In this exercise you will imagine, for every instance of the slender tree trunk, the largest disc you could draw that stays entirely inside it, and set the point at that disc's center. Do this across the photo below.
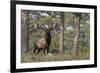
(61, 46)
(76, 49)
(24, 30)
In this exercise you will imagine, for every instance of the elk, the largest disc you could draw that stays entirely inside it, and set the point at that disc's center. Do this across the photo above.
(43, 43)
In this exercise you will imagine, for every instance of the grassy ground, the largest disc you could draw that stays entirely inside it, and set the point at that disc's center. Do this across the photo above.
(31, 57)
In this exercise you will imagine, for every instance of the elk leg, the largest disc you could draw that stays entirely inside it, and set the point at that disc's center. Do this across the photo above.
(34, 51)
(44, 51)
(38, 51)
(47, 50)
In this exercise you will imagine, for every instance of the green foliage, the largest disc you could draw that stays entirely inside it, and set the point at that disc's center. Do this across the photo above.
(69, 18)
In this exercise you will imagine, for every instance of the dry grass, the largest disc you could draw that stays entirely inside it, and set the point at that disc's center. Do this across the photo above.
(31, 57)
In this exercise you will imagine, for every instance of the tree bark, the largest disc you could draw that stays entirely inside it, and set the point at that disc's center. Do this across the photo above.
(76, 49)
(24, 30)
(61, 46)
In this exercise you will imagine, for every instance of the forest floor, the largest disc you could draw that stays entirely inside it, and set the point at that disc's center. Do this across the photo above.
(67, 56)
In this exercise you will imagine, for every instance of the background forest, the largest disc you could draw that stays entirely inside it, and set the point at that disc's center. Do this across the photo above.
(74, 47)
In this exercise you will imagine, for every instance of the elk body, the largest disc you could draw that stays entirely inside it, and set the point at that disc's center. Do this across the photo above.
(43, 43)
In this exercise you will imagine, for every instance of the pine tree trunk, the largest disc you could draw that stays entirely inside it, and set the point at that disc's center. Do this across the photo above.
(76, 49)
(61, 46)
(24, 30)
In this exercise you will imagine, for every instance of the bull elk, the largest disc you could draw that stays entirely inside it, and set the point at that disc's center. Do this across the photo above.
(43, 43)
